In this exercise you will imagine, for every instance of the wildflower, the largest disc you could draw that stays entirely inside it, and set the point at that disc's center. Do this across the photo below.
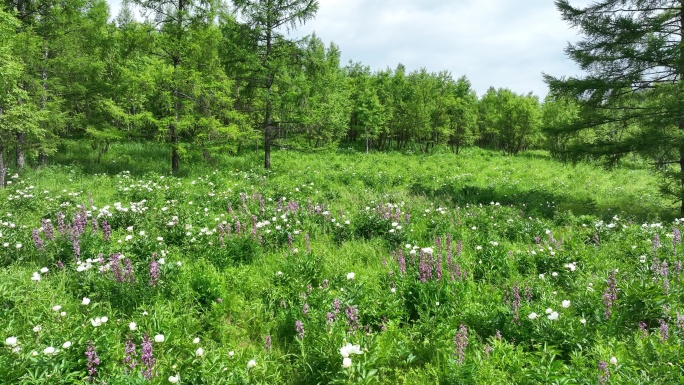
(93, 362)
(147, 358)
(56, 308)
(267, 342)
(664, 330)
(610, 295)
(349, 349)
(11, 341)
(583, 321)
(352, 313)
(566, 304)
(49, 351)
(86, 301)
(553, 316)
(251, 364)
(350, 276)
(605, 373)
(549, 311)
(461, 343)
(66, 345)
(44, 270)
(613, 360)
(130, 355)
(533, 316)
(132, 326)
(37, 328)
(159, 338)
(299, 328)
(35, 277)
(155, 273)
(199, 352)
(231, 353)
(393, 290)
(346, 362)
(196, 340)
(174, 379)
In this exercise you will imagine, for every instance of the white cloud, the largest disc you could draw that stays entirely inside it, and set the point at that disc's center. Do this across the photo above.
(500, 43)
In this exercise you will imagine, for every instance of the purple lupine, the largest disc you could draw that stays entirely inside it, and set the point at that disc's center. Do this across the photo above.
(643, 328)
(678, 267)
(290, 242)
(461, 343)
(147, 358)
(130, 355)
(610, 295)
(48, 230)
(268, 342)
(324, 284)
(60, 264)
(352, 313)
(155, 273)
(604, 373)
(106, 230)
(329, 318)
(94, 225)
(76, 246)
(656, 243)
(92, 363)
(664, 330)
(129, 274)
(61, 226)
(115, 268)
(230, 209)
(402, 262)
(228, 230)
(305, 309)
(515, 302)
(37, 240)
(488, 349)
(680, 322)
(676, 236)
(299, 328)
(337, 306)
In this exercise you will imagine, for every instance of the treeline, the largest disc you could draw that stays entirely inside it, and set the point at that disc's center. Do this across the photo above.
(214, 78)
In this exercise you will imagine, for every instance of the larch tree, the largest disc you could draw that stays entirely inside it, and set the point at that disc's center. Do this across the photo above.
(631, 99)
(267, 19)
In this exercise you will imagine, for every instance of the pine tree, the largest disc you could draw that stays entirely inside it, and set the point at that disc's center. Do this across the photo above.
(632, 98)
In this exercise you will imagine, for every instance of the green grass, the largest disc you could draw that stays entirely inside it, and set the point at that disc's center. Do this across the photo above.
(514, 225)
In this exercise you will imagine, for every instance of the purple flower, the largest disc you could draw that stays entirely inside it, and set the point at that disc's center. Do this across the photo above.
(664, 330)
(299, 328)
(305, 309)
(37, 241)
(106, 230)
(92, 363)
(460, 343)
(115, 268)
(48, 230)
(155, 273)
(352, 313)
(610, 295)
(147, 358)
(604, 373)
(130, 354)
(267, 342)
(644, 329)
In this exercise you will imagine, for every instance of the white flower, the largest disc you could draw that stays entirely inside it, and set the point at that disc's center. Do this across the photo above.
(613, 360)
(348, 349)
(174, 379)
(549, 311)
(346, 362)
(251, 364)
(553, 316)
(56, 308)
(199, 352)
(554, 274)
(66, 345)
(104, 319)
(196, 340)
(35, 276)
(393, 290)
(19, 245)
(86, 301)
(11, 341)
(62, 314)
(49, 351)
(231, 353)
(132, 326)
(350, 275)
(37, 328)
(44, 270)
(159, 338)
(541, 276)
(583, 321)
(566, 304)
(532, 316)
(96, 322)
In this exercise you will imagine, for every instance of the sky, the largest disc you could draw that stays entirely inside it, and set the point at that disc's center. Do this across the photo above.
(499, 43)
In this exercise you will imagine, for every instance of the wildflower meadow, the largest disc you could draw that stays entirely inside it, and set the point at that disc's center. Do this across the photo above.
(340, 268)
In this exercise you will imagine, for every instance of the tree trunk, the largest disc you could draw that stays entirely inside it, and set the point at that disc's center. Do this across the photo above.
(21, 158)
(267, 148)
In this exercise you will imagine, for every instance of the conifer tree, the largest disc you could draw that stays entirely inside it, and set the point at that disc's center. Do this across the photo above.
(632, 98)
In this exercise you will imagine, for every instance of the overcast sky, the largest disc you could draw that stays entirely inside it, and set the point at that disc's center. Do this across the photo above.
(500, 43)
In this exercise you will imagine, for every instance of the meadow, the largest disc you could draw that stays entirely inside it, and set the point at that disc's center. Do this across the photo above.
(338, 268)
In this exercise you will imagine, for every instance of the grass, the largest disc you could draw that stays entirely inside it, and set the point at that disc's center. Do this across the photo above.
(451, 255)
